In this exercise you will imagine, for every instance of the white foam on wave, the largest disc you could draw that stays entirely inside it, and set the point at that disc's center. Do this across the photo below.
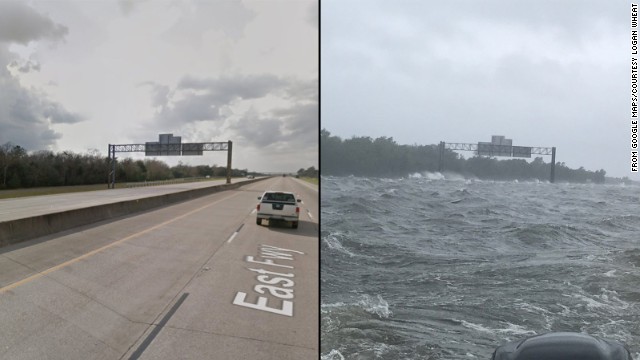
(333, 242)
(391, 191)
(378, 306)
(608, 300)
(324, 308)
(427, 175)
(511, 329)
(589, 302)
(373, 305)
(476, 327)
(538, 311)
(332, 355)
(515, 330)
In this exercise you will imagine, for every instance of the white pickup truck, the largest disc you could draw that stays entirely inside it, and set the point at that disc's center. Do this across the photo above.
(278, 205)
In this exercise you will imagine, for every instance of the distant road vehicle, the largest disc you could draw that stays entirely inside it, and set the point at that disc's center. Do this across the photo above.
(278, 205)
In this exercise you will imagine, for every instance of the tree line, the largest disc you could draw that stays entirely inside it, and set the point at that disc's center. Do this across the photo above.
(364, 156)
(20, 169)
(309, 172)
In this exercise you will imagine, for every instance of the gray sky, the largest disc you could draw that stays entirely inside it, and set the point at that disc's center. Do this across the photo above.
(543, 73)
(78, 75)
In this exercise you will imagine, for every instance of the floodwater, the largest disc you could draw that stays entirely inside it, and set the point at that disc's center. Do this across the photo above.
(432, 268)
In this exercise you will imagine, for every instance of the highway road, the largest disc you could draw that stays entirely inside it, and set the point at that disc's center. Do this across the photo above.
(18, 208)
(195, 280)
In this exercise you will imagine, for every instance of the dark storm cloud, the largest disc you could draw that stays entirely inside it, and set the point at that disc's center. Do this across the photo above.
(21, 24)
(27, 115)
(22, 118)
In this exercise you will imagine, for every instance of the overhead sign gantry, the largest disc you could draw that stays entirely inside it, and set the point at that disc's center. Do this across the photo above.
(499, 146)
(168, 145)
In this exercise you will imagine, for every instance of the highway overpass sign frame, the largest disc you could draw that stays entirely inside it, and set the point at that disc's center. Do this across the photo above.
(177, 149)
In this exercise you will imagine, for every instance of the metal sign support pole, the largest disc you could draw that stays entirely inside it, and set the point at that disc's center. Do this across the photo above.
(111, 180)
(441, 158)
(229, 162)
(553, 165)
(109, 167)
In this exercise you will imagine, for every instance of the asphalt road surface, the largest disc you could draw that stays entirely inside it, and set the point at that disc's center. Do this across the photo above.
(195, 280)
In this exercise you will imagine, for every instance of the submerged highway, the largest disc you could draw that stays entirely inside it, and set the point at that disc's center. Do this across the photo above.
(194, 280)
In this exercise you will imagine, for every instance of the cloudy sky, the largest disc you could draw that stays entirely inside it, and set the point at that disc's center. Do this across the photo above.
(543, 73)
(78, 75)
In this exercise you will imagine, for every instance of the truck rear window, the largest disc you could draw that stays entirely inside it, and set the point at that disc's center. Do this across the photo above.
(279, 197)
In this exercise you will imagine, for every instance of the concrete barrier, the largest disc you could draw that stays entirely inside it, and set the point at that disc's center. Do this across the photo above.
(15, 231)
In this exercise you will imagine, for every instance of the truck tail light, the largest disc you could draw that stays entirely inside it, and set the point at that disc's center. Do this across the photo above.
(258, 207)
(297, 209)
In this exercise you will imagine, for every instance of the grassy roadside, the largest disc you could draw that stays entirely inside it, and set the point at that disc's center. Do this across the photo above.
(315, 181)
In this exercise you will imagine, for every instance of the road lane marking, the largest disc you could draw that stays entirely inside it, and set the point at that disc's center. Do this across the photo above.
(93, 252)
(234, 234)
(309, 213)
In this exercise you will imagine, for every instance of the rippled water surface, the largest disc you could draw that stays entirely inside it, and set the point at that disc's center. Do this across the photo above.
(428, 268)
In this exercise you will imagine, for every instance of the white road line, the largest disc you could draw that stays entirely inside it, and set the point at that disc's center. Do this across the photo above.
(232, 237)
(234, 234)
(309, 213)
(253, 211)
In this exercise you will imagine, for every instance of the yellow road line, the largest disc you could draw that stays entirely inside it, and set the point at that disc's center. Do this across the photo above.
(93, 252)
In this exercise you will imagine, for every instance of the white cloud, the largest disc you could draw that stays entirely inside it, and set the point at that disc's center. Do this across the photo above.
(134, 69)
